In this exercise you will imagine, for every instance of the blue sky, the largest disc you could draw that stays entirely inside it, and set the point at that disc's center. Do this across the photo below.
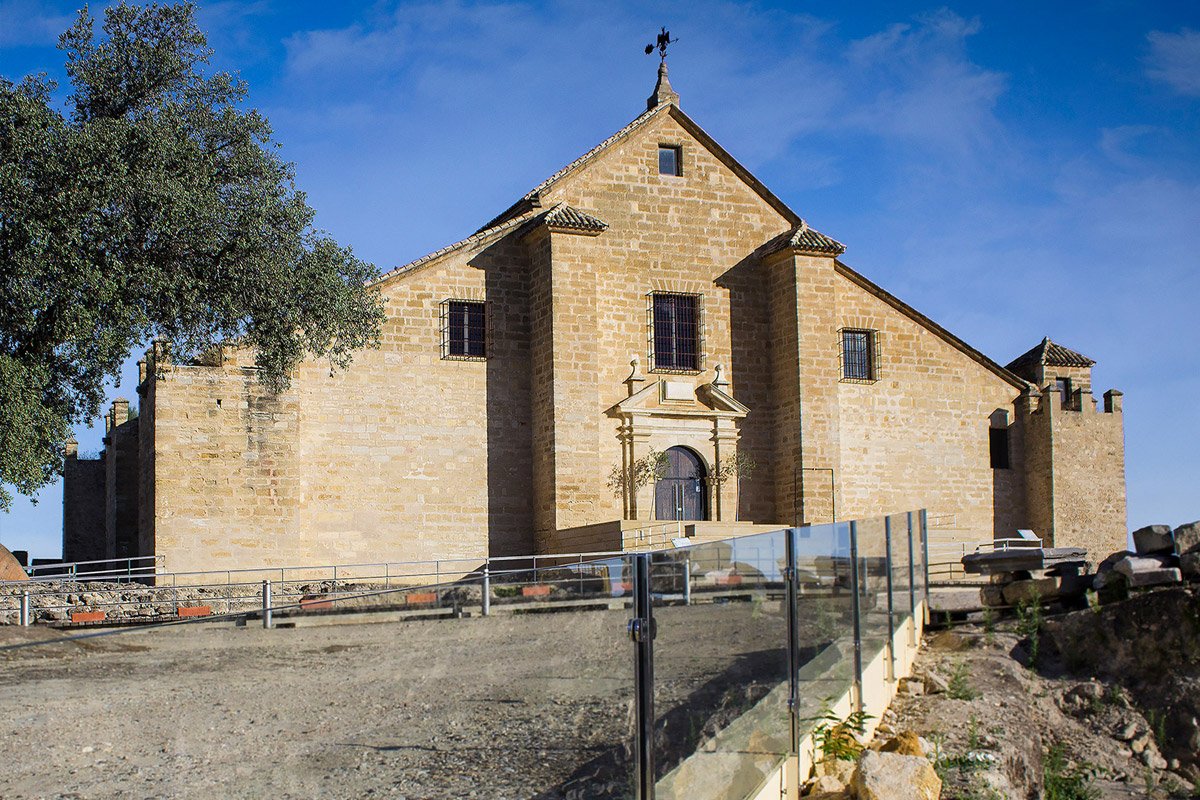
(1014, 170)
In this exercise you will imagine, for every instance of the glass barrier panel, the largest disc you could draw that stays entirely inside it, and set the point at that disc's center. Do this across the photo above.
(872, 583)
(826, 618)
(720, 667)
(901, 597)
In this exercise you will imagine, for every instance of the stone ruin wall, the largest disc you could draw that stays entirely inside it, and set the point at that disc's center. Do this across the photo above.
(403, 456)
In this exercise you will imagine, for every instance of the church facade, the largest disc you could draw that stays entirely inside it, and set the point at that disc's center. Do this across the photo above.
(652, 297)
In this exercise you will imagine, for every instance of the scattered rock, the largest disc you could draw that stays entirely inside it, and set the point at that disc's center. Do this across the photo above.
(891, 776)
(826, 785)
(992, 596)
(911, 686)
(837, 768)
(906, 743)
(1187, 538)
(935, 684)
(1154, 539)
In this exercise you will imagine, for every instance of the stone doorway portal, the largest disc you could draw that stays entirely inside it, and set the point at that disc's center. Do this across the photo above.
(681, 493)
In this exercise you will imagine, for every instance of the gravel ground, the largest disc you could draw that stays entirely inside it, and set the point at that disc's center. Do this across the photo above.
(528, 706)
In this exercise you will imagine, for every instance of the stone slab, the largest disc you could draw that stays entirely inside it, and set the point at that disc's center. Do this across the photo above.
(1132, 565)
(1155, 577)
(954, 599)
(1154, 539)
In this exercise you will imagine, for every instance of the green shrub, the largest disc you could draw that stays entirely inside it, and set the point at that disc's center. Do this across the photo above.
(1063, 782)
(959, 686)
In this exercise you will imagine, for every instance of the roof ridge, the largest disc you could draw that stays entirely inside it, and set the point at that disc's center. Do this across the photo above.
(530, 198)
(479, 235)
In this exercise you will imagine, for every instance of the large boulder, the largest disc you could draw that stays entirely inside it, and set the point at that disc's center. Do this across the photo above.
(1153, 539)
(1187, 538)
(10, 568)
(892, 776)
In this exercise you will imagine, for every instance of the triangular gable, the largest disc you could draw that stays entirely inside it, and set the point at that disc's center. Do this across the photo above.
(533, 198)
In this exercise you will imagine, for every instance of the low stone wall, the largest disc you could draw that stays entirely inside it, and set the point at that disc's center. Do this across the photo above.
(57, 601)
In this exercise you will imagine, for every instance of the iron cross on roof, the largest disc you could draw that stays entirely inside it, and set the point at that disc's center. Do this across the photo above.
(664, 39)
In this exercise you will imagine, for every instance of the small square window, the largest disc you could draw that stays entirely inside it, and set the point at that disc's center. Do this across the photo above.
(675, 328)
(858, 356)
(464, 329)
(670, 160)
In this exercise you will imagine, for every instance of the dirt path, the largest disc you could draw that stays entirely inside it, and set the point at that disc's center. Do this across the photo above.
(534, 706)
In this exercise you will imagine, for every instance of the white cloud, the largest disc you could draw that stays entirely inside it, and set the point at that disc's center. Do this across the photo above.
(1174, 59)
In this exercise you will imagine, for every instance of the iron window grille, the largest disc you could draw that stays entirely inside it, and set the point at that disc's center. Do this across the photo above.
(464, 330)
(675, 328)
(859, 356)
(670, 160)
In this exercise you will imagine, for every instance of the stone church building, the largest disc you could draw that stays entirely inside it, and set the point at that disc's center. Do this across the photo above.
(651, 295)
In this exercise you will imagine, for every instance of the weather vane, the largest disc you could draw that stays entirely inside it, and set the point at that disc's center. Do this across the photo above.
(664, 39)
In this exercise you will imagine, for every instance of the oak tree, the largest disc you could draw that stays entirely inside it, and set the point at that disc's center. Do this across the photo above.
(150, 203)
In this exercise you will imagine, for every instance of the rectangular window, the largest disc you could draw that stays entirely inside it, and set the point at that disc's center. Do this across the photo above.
(670, 160)
(999, 447)
(858, 356)
(675, 331)
(1064, 391)
(464, 329)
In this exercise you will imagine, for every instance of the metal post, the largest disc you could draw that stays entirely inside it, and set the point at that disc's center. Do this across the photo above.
(887, 543)
(581, 575)
(641, 631)
(24, 609)
(793, 638)
(266, 610)
(487, 589)
(855, 606)
(687, 579)
(912, 587)
(924, 527)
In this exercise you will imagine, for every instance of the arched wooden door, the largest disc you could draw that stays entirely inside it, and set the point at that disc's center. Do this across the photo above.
(682, 492)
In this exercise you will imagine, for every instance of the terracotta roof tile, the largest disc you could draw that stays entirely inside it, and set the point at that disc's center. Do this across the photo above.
(806, 240)
(570, 218)
(1049, 354)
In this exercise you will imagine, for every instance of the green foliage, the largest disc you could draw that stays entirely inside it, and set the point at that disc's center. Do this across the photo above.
(1158, 723)
(836, 739)
(1064, 782)
(959, 686)
(1029, 625)
(989, 626)
(154, 207)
